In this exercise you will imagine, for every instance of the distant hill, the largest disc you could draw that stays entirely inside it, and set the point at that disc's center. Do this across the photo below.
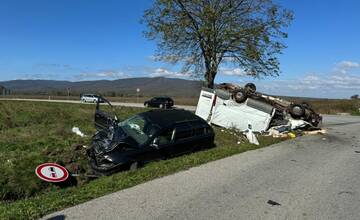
(120, 87)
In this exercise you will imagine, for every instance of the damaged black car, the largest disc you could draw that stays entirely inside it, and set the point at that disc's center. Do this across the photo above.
(147, 136)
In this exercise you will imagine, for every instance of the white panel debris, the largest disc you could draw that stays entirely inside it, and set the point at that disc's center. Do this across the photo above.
(77, 131)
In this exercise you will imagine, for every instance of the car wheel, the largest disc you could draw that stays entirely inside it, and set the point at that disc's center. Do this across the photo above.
(296, 110)
(240, 96)
(134, 166)
(161, 106)
(250, 88)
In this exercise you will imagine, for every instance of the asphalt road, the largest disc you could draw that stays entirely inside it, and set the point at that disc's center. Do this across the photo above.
(310, 177)
(125, 104)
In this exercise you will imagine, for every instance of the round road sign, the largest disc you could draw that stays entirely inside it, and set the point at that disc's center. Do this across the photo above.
(51, 172)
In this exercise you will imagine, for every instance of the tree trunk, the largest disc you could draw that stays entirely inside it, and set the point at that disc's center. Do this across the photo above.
(210, 77)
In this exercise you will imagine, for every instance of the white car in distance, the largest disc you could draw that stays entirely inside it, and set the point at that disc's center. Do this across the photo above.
(89, 98)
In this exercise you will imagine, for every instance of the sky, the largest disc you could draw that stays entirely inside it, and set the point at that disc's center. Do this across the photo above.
(78, 40)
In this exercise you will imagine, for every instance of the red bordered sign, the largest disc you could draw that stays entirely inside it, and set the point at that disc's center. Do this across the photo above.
(51, 172)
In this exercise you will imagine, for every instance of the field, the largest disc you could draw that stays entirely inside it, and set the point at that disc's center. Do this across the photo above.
(336, 106)
(133, 99)
(323, 106)
(33, 132)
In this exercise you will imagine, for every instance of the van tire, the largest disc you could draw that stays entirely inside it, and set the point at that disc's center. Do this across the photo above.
(250, 88)
(297, 111)
(240, 96)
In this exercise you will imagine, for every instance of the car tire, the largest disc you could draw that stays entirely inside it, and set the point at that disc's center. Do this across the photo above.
(250, 88)
(240, 96)
(297, 111)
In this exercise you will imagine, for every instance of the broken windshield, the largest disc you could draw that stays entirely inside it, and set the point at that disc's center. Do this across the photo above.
(139, 129)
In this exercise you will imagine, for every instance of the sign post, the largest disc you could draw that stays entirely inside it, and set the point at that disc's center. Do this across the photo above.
(137, 95)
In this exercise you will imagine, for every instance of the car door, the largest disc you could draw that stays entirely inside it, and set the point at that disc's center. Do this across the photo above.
(161, 101)
(88, 98)
(152, 102)
(157, 102)
(164, 141)
(182, 140)
(156, 148)
(103, 120)
(146, 153)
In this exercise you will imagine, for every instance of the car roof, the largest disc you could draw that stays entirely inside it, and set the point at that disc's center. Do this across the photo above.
(165, 118)
(162, 97)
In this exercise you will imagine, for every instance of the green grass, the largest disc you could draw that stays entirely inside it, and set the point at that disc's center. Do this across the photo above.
(322, 106)
(336, 106)
(32, 133)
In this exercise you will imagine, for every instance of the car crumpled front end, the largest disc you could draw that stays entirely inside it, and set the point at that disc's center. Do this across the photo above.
(105, 144)
(105, 151)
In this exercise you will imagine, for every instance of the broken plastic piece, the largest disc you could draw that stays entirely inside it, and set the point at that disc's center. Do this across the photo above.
(251, 136)
(271, 202)
(292, 135)
(295, 124)
(77, 131)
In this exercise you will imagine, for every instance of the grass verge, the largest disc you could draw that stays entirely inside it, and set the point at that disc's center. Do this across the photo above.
(37, 127)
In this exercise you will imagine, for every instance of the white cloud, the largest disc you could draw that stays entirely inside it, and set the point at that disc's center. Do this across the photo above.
(344, 66)
(348, 64)
(107, 74)
(232, 72)
(338, 83)
(162, 72)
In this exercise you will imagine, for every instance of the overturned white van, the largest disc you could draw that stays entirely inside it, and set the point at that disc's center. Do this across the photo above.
(217, 107)
(232, 106)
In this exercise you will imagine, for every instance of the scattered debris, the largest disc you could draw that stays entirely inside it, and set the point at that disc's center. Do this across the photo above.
(297, 124)
(77, 131)
(291, 135)
(251, 136)
(279, 131)
(271, 202)
(321, 131)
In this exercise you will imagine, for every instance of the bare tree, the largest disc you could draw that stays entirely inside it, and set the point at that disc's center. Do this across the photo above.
(201, 34)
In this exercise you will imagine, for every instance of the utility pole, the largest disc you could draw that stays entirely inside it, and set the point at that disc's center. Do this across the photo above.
(68, 92)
